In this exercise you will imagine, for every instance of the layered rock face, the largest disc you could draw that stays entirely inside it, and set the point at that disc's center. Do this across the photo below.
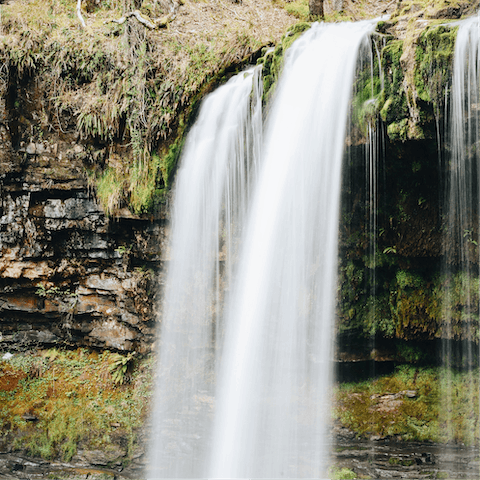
(68, 273)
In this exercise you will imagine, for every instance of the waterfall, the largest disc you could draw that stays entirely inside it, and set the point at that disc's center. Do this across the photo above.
(243, 390)
(211, 197)
(461, 304)
(273, 406)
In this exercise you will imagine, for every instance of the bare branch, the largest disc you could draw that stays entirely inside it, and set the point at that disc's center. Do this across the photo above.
(143, 19)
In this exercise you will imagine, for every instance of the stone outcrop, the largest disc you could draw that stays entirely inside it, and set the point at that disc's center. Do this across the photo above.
(69, 275)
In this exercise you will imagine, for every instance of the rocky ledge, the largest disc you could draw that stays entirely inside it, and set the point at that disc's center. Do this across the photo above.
(69, 274)
(367, 459)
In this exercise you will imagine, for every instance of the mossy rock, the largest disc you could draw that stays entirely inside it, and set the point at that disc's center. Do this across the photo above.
(398, 130)
(393, 106)
(434, 60)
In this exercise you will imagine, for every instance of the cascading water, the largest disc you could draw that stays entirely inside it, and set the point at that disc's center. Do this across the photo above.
(272, 409)
(211, 195)
(461, 306)
(272, 412)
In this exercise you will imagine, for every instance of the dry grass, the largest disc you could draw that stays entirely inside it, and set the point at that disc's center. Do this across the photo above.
(124, 87)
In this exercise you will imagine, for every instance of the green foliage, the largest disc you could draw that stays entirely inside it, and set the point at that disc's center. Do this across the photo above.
(410, 353)
(407, 304)
(143, 181)
(93, 124)
(124, 250)
(120, 366)
(376, 316)
(397, 130)
(54, 291)
(406, 279)
(458, 299)
(413, 306)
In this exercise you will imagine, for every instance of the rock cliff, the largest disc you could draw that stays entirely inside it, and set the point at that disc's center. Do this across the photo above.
(69, 275)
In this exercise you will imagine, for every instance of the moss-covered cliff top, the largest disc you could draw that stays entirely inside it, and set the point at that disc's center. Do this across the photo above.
(128, 81)
(127, 84)
(125, 87)
(420, 37)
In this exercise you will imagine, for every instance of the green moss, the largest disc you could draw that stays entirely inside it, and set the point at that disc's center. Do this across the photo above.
(398, 130)
(110, 189)
(298, 8)
(393, 104)
(367, 94)
(434, 61)
(169, 161)
(337, 473)
(458, 300)
(75, 399)
(408, 304)
(406, 279)
(414, 419)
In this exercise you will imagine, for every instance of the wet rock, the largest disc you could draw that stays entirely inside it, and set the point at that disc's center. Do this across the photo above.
(71, 208)
(381, 458)
(103, 282)
(113, 334)
(112, 455)
(31, 148)
(59, 267)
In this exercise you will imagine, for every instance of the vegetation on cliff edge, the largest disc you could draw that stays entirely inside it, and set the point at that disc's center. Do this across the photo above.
(127, 90)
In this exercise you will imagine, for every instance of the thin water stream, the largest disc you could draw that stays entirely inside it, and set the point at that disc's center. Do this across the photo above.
(461, 269)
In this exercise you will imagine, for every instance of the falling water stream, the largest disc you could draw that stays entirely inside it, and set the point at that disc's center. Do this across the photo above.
(272, 410)
(213, 184)
(244, 392)
(462, 235)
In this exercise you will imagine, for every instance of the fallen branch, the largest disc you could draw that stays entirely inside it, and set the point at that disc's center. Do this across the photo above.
(144, 20)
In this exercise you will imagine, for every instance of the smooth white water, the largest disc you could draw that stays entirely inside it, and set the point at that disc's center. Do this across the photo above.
(211, 197)
(461, 303)
(273, 406)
